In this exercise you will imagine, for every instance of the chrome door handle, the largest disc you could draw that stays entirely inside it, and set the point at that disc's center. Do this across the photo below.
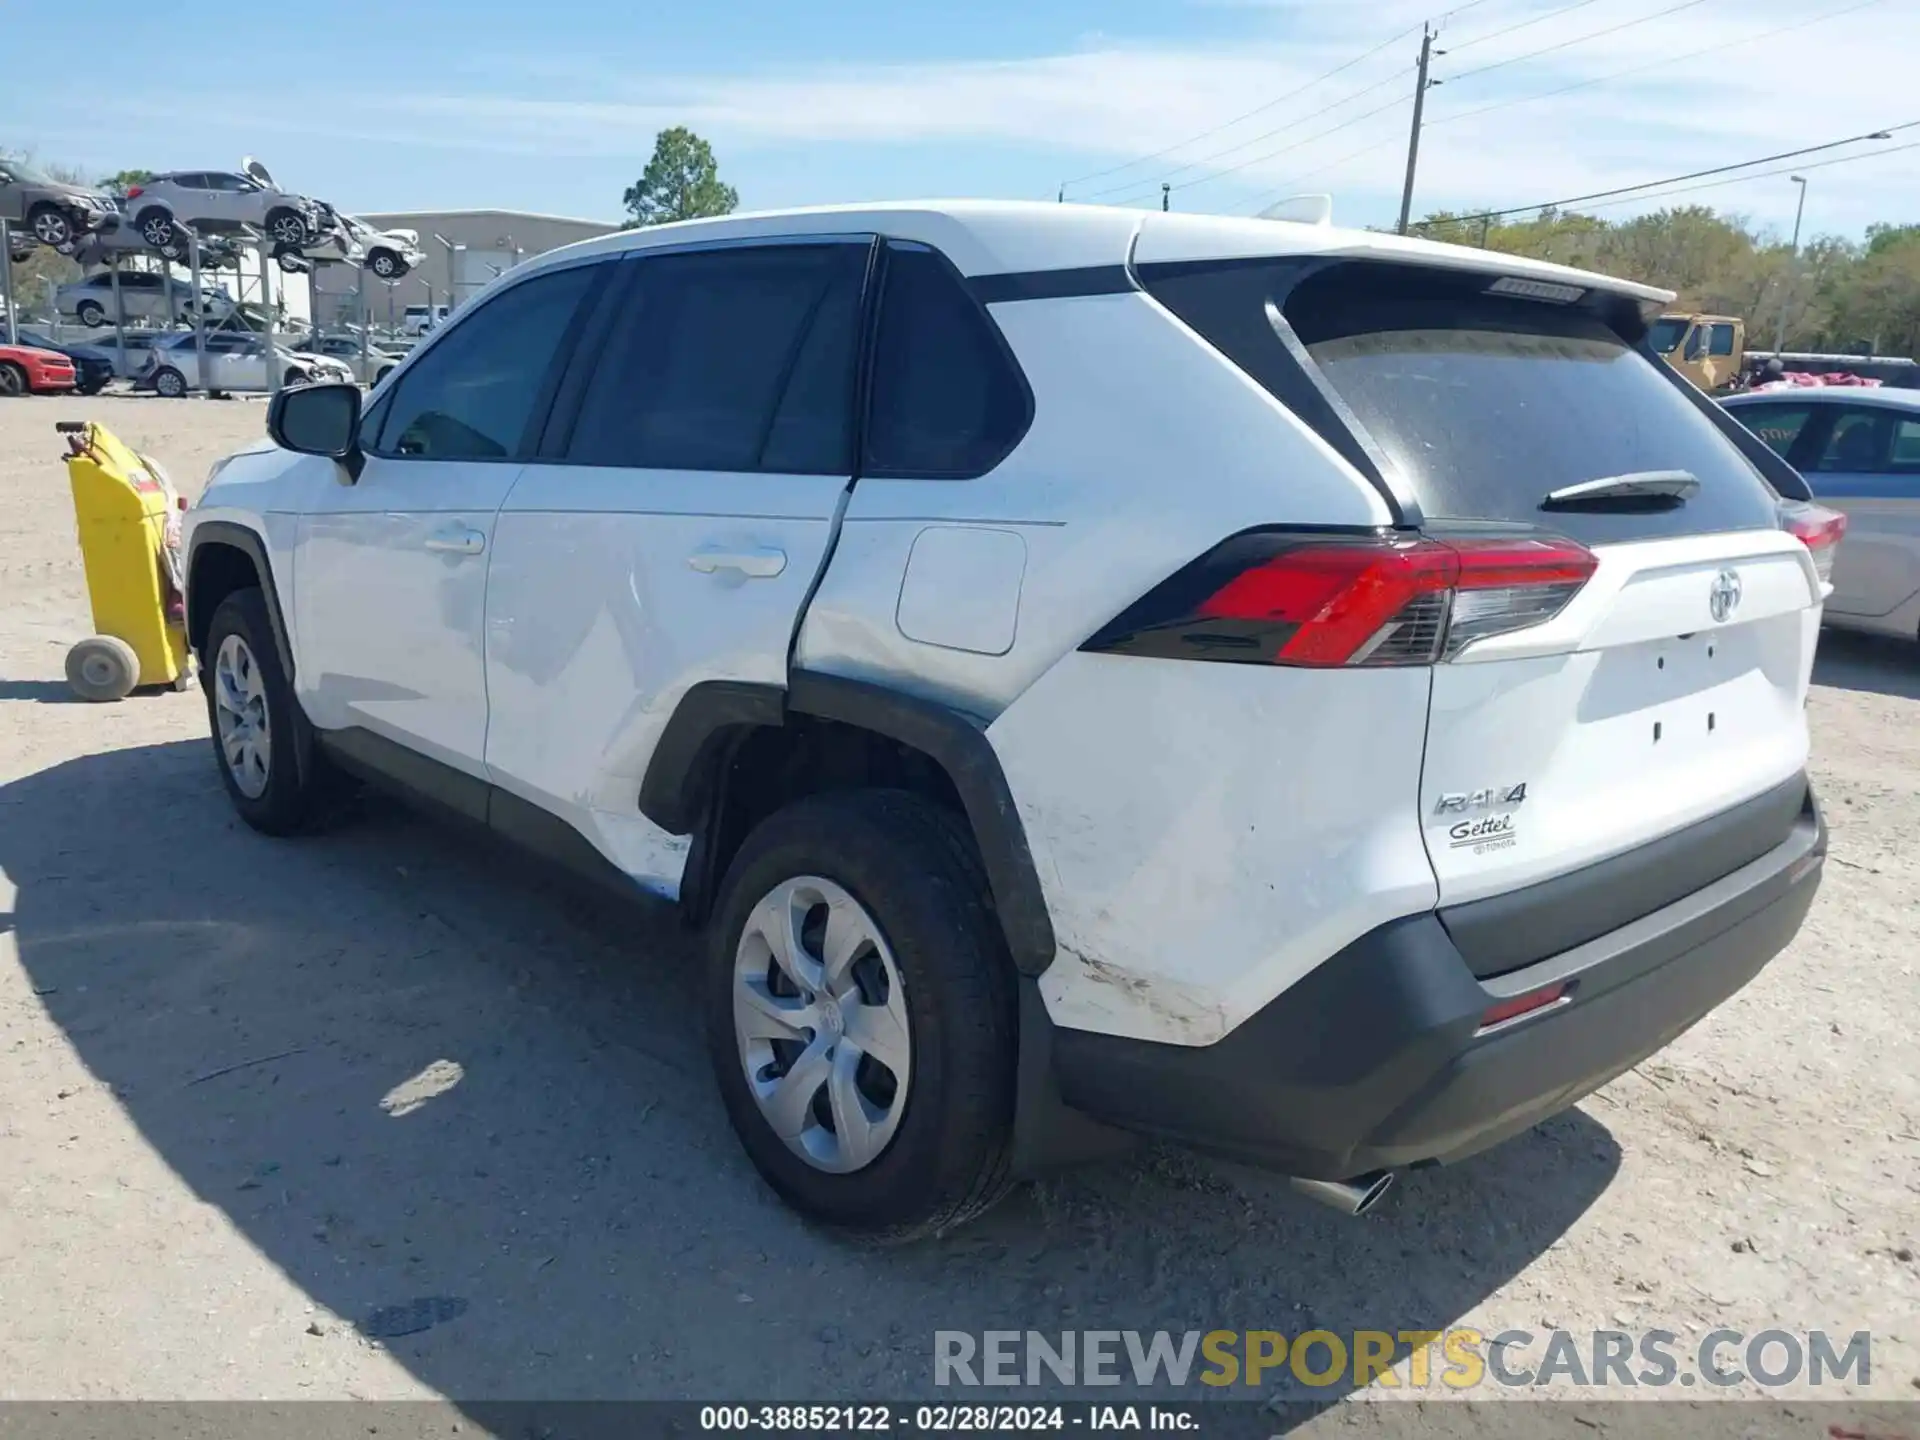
(755, 562)
(457, 540)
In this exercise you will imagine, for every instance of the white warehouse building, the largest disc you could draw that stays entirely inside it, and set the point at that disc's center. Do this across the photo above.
(465, 249)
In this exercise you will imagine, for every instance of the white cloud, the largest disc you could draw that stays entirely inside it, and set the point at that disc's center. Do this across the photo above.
(1102, 103)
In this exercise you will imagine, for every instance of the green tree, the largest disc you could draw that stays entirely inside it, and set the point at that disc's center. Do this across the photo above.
(120, 180)
(681, 182)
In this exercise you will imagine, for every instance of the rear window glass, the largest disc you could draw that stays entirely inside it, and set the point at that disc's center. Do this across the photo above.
(1483, 403)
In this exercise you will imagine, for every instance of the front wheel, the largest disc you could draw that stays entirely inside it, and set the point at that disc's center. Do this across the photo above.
(287, 227)
(386, 265)
(13, 380)
(169, 383)
(157, 228)
(51, 225)
(92, 314)
(860, 1015)
(264, 749)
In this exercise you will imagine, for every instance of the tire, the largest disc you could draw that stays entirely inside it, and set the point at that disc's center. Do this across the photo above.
(90, 387)
(51, 225)
(156, 227)
(915, 885)
(169, 383)
(288, 227)
(295, 377)
(91, 314)
(386, 265)
(13, 380)
(275, 778)
(289, 259)
(385, 370)
(102, 668)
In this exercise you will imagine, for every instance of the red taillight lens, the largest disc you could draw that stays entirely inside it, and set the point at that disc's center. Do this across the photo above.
(1518, 1005)
(1266, 598)
(1819, 529)
(134, 192)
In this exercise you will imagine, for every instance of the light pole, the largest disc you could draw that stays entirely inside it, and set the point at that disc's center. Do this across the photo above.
(1793, 264)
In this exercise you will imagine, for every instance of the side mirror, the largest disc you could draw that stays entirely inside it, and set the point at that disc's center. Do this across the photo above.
(319, 419)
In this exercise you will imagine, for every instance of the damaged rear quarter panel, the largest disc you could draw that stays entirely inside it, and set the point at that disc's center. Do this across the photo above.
(1206, 834)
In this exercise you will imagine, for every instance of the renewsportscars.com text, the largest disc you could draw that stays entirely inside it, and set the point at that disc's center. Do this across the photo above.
(1458, 1359)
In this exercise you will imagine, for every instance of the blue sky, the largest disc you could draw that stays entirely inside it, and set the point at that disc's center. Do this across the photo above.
(553, 106)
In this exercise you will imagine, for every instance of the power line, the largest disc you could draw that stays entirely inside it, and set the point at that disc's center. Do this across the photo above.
(1304, 175)
(1693, 175)
(1652, 65)
(1392, 104)
(1254, 140)
(1758, 175)
(1257, 110)
(1577, 40)
(1495, 35)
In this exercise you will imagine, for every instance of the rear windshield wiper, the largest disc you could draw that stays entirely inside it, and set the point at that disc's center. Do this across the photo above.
(1650, 488)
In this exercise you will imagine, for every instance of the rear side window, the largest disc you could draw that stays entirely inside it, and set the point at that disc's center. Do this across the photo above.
(948, 400)
(738, 359)
(1483, 403)
(1722, 342)
(472, 395)
(1778, 425)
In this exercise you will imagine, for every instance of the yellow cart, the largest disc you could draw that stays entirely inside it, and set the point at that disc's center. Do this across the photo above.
(128, 515)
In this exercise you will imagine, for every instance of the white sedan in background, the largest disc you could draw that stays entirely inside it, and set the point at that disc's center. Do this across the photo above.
(236, 361)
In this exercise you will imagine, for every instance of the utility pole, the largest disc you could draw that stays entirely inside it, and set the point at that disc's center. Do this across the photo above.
(1793, 264)
(1420, 87)
(6, 285)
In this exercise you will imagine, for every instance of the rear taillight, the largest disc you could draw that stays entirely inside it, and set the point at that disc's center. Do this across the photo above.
(1819, 529)
(134, 192)
(1267, 598)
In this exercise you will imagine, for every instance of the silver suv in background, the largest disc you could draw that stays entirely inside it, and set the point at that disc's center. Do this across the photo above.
(384, 254)
(54, 211)
(221, 202)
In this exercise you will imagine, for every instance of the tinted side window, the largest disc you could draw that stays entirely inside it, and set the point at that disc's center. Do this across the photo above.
(1722, 343)
(731, 359)
(1859, 444)
(472, 395)
(1906, 446)
(1778, 425)
(948, 400)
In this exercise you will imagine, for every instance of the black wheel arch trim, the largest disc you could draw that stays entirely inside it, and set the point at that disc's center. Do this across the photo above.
(248, 543)
(680, 783)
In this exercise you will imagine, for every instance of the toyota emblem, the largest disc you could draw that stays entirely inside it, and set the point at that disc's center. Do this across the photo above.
(1724, 598)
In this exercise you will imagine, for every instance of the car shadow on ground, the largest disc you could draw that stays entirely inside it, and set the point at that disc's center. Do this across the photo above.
(45, 692)
(1874, 664)
(469, 1111)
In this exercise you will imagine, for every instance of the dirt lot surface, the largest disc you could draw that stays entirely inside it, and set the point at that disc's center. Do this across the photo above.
(377, 1114)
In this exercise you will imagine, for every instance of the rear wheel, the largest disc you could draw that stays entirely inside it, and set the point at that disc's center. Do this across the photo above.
(92, 314)
(13, 380)
(860, 1015)
(261, 742)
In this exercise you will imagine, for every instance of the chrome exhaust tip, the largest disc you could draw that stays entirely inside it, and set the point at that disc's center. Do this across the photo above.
(1350, 1197)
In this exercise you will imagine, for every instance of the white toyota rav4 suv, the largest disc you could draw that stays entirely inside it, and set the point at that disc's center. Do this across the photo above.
(1330, 699)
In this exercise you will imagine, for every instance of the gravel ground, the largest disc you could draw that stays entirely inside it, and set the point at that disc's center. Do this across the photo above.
(266, 1106)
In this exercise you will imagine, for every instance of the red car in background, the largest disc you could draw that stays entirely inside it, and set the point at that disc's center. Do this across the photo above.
(25, 370)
